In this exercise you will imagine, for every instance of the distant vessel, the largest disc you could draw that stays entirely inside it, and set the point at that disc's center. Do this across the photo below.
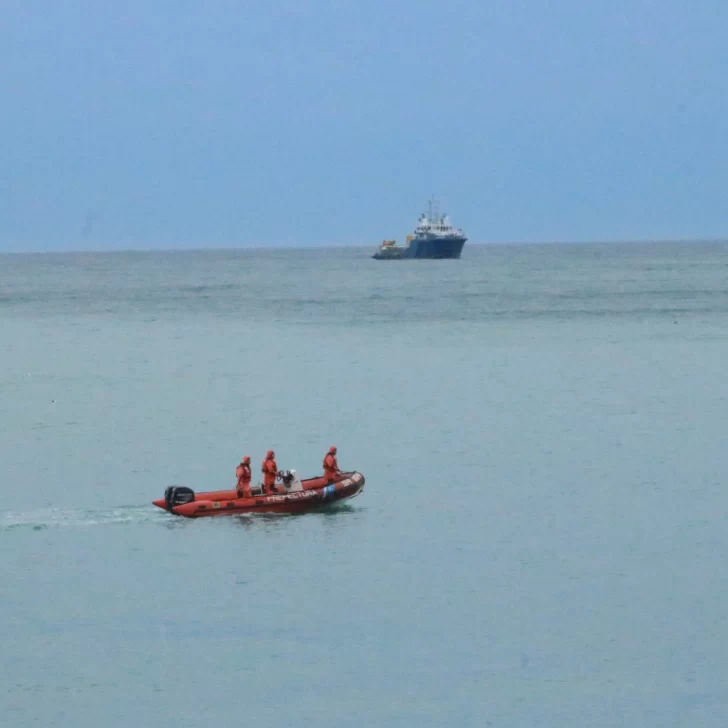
(434, 237)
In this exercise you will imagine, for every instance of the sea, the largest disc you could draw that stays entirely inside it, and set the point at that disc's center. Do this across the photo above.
(542, 536)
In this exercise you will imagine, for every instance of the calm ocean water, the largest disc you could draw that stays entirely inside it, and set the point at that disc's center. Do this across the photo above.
(541, 540)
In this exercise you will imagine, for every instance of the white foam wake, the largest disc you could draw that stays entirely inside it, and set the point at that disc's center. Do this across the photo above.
(56, 517)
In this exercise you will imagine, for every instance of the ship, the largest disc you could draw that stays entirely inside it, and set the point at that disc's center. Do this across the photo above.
(433, 238)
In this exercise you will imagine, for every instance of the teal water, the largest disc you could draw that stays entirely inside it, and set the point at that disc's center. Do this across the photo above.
(541, 540)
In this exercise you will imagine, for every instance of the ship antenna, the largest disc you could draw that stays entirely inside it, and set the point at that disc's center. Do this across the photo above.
(435, 216)
(433, 209)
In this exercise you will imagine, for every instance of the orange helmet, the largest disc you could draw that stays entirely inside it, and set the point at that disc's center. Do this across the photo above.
(332, 449)
(246, 458)
(270, 454)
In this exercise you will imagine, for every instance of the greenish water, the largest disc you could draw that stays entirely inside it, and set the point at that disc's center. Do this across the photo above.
(541, 540)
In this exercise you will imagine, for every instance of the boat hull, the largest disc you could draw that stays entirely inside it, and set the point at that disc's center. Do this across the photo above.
(425, 249)
(316, 492)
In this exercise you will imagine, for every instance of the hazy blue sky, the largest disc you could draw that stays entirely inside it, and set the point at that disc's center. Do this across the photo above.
(178, 123)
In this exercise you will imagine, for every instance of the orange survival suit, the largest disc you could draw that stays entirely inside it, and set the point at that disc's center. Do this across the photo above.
(270, 471)
(331, 467)
(243, 475)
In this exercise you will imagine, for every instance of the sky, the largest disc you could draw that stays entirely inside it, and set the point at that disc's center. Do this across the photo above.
(149, 124)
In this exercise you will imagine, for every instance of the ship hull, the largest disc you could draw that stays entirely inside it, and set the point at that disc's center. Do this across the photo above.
(425, 249)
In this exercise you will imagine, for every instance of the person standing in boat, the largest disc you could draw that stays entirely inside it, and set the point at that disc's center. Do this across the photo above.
(270, 472)
(243, 474)
(331, 466)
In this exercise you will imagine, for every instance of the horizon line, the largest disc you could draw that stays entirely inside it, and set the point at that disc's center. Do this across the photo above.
(330, 246)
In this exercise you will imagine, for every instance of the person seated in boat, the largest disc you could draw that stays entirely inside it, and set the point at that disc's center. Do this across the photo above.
(243, 475)
(270, 473)
(331, 466)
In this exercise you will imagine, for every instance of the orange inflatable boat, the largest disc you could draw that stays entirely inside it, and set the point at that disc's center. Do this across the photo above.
(294, 496)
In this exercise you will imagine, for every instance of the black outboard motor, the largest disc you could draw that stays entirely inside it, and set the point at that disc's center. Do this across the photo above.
(177, 495)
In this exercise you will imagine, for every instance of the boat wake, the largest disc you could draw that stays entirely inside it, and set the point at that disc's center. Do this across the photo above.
(43, 518)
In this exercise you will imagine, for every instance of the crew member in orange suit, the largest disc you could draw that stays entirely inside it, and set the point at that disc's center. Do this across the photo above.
(270, 471)
(331, 467)
(243, 475)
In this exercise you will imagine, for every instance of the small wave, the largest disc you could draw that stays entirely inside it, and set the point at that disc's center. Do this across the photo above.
(209, 287)
(41, 519)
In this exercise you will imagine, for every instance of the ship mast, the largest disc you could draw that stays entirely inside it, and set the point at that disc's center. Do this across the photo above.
(432, 209)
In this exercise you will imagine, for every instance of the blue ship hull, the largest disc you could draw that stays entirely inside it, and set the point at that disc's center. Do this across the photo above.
(426, 248)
